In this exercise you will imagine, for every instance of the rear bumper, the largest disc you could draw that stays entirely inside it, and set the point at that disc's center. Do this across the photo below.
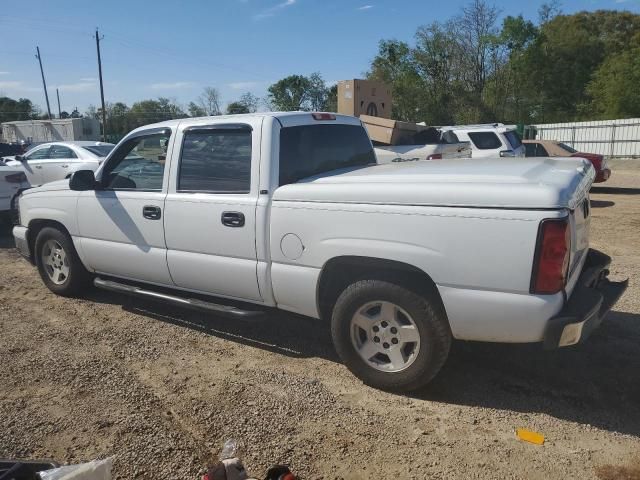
(20, 234)
(592, 298)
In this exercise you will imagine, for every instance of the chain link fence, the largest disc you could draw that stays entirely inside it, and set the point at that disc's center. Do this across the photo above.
(612, 138)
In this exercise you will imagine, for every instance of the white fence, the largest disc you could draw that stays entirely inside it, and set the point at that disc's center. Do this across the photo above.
(613, 138)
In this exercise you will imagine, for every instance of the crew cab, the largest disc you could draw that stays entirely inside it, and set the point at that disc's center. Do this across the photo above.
(242, 214)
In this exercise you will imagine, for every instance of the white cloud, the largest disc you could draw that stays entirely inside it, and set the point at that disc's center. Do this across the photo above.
(243, 85)
(171, 85)
(10, 85)
(88, 79)
(365, 7)
(17, 86)
(270, 12)
(5, 73)
(81, 86)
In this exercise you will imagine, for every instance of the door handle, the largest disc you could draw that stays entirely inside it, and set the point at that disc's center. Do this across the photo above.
(151, 212)
(64, 166)
(233, 219)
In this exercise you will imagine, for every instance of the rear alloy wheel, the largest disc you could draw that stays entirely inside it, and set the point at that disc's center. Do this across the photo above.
(389, 336)
(58, 263)
(385, 336)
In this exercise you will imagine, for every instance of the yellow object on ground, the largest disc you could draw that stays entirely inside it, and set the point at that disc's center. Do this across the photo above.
(529, 436)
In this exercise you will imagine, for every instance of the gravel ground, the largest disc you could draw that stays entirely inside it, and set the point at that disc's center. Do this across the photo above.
(163, 388)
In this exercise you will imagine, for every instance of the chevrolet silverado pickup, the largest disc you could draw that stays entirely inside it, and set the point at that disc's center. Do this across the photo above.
(243, 214)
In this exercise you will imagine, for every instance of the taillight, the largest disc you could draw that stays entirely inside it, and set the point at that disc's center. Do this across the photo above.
(551, 261)
(16, 177)
(323, 116)
(435, 156)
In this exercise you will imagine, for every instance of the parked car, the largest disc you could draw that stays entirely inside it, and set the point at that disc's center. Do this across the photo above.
(57, 160)
(552, 148)
(246, 213)
(489, 140)
(12, 180)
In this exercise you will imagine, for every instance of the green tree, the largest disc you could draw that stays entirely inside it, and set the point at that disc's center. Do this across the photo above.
(290, 93)
(331, 103)
(12, 110)
(196, 110)
(395, 65)
(236, 108)
(614, 89)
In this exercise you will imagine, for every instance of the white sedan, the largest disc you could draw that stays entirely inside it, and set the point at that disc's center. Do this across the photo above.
(48, 162)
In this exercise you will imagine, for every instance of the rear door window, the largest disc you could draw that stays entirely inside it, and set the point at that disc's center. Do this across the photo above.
(513, 138)
(310, 150)
(485, 140)
(535, 150)
(60, 152)
(216, 161)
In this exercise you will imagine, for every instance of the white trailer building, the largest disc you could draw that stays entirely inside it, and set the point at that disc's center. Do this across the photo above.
(55, 130)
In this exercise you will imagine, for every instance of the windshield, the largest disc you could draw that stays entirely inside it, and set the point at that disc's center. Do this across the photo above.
(567, 148)
(100, 150)
(309, 150)
(514, 138)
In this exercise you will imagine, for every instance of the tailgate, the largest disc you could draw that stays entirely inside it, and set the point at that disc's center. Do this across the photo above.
(579, 221)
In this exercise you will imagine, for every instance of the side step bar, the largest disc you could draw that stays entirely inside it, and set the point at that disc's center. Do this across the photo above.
(226, 310)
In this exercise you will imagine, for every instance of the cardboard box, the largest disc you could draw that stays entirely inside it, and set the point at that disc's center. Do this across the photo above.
(391, 132)
(358, 97)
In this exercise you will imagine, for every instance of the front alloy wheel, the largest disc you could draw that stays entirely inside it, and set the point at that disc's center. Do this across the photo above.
(55, 261)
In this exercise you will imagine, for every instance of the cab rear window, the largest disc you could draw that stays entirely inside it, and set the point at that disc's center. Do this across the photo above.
(310, 150)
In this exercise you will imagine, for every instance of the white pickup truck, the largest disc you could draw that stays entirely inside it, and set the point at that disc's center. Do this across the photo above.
(242, 214)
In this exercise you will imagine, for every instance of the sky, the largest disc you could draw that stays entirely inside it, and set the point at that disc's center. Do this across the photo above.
(175, 49)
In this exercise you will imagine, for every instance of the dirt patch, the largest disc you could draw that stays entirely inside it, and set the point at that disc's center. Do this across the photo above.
(163, 388)
(609, 472)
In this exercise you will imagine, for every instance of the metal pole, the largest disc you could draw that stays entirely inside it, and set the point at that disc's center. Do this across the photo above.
(46, 95)
(104, 111)
(59, 111)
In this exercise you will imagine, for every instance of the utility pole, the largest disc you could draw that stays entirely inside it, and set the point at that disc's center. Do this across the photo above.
(104, 112)
(59, 111)
(46, 95)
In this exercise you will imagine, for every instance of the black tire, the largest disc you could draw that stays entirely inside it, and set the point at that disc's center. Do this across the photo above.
(78, 278)
(428, 316)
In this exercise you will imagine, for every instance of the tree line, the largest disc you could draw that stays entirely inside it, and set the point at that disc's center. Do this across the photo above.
(473, 68)
(470, 68)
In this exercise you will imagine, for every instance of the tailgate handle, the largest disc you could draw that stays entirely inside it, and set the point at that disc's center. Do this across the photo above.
(233, 219)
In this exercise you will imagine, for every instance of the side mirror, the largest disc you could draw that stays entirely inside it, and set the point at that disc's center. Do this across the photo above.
(82, 180)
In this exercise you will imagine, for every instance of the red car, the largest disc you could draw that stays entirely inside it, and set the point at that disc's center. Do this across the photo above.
(551, 148)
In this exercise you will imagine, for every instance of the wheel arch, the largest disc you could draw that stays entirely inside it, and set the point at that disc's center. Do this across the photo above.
(36, 226)
(339, 272)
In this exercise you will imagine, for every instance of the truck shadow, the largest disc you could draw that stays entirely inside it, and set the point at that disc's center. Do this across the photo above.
(277, 332)
(616, 190)
(597, 383)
